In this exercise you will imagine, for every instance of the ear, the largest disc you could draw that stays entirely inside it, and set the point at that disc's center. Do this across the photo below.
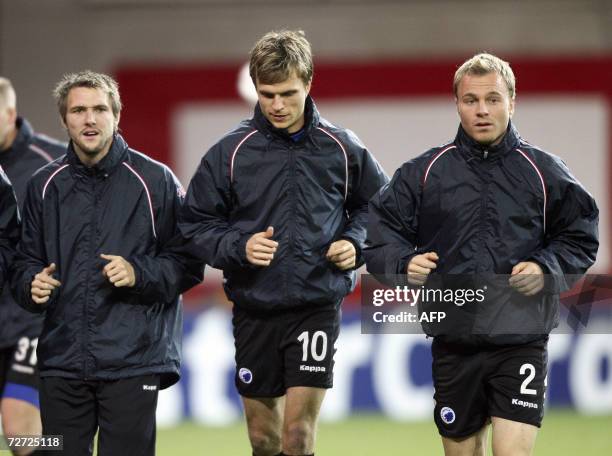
(308, 86)
(12, 115)
(63, 121)
(117, 122)
(511, 108)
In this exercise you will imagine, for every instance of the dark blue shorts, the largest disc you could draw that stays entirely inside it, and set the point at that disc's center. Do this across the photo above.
(286, 349)
(473, 384)
(19, 368)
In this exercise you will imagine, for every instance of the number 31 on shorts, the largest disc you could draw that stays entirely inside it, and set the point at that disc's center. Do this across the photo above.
(318, 345)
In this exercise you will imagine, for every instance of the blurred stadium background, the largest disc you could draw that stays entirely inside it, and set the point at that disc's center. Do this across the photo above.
(382, 68)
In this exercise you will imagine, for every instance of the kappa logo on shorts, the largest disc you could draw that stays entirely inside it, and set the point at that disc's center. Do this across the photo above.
(149, 387)
(448, 415)
(245, 375)
(524, 403)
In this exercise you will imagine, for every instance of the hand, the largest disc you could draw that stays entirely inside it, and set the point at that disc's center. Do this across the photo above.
(420, 266)
(527, 278)
(43, 285)
(343, 254)
(260, 248)
(118, 271)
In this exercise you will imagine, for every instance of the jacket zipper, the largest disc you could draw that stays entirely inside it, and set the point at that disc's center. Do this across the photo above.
(92, 236)
(290, 231)
(483, 209)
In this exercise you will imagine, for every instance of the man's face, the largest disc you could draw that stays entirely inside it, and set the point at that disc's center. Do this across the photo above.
(484, 107)
(90, 123)
(8, 116)
(283, 103)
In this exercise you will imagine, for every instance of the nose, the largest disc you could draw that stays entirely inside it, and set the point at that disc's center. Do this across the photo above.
(483, 109)
(277, 103)
(90, 117)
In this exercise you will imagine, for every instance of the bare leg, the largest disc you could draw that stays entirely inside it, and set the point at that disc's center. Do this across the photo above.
(301, 413)
(513, 438)
(264, 417)
(473, 445)
(20, 418)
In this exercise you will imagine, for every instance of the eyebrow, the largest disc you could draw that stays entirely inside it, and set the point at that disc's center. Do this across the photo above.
(488, 94)
(98, 106)
(285, 93)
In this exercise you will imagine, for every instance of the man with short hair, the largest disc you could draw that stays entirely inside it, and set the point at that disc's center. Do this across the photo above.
(100, 255)
(280, 205)
(21, 153)
(487, 204)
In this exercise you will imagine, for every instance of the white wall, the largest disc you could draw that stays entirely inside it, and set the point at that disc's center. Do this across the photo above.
(42, 39)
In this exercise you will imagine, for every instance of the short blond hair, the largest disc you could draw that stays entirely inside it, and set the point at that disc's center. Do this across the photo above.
(485, 63)
(91, 80)
(278, 54)
(8, 99)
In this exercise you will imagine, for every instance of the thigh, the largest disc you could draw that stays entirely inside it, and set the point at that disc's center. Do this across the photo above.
(20, 417)
(127, 415)
(264, 415)
(517, 383)
(259, 361)
(302, 408)
(511, 438)
(473, 445)
(68, 408)
(309, 346)
(460, 402)
(303, 404)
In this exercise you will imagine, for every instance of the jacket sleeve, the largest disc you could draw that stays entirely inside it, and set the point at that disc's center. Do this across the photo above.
(366, 178)
(9, 226)
(173, 270)
(204, 220)
(393, 225)
(571, 239)
(31, 256)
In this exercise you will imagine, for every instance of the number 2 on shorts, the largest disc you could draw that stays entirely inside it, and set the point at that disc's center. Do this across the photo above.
(527, 367)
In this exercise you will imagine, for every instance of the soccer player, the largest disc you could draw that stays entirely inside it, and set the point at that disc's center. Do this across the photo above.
(280, 205)
(487, 203)
(99, 255)
(21, 153)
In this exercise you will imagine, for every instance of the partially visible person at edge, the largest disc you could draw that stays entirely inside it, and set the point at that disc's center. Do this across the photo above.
(21, 153)
(487, 203)
(280, 205)
(100, 256)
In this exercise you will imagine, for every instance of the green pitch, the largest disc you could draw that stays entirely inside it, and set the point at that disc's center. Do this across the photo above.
(563, 433)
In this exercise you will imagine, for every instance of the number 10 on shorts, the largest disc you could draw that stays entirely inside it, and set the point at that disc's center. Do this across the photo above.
(318, 345)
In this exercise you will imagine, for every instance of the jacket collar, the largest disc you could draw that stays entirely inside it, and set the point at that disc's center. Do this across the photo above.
(311, 120)
(23, 138)
(509, 142)
(108, 164)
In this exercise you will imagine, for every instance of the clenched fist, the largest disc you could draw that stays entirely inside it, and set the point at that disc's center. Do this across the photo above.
(43, 285)
(343, 254)
(420, 267)
(118, 271)
(260, 248)
(527, 278)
